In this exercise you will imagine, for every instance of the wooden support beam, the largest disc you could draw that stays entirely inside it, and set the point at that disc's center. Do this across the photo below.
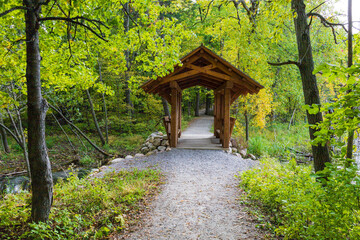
(226, 84)
(179, 115)
(174, 84)
(166, 96)
(174, 117)
(216, 114)
(227, 96)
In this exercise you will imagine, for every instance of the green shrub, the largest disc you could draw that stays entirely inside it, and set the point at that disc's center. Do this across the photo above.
(87, 160)
(303, 208)
(88, 208)
(277, 140)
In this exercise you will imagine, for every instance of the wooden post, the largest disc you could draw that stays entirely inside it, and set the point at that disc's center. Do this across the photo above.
(227, 99)
(175, 90)
(215, 112)
(222, 115)
(180, 113)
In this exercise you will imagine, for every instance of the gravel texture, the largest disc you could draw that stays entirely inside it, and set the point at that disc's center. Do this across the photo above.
(199, 198)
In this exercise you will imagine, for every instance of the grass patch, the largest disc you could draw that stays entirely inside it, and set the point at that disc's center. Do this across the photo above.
(89, 208)
(278, 141)
(299, 207)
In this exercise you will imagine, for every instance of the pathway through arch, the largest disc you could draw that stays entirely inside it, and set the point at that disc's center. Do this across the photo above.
(200, 197)
(199, 136)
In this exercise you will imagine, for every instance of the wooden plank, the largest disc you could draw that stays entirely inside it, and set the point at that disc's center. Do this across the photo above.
(174, 118)
(227, 97)
(179, 76)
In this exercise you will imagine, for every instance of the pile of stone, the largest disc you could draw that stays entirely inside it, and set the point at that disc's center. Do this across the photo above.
(237, 150)
(156, 142)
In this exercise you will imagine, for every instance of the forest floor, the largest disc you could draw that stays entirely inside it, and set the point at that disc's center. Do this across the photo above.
(200, 199)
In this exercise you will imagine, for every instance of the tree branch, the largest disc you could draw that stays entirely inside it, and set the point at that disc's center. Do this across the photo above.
(326, 23)
(284, 63)
(316, 7)
(79, 131)
(74, 20)
(13, 9)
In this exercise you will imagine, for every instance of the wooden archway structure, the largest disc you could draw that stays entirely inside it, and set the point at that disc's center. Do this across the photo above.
(202, 67)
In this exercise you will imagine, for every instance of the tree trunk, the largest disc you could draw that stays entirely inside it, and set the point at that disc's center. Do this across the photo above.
(246, 126)
(4, 137)
(292, 118)
(95, 118)
(208, 104)
(127, 57)
(350, 141)
(165, 106)
(104, 104)
(310, 89)
(189, 108)
(197, 103)
(42, 182)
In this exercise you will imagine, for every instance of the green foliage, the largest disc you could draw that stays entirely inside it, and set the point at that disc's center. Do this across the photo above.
(302, 207)
(86, 160)
(90, 208)
(342, 113)
(277, 140)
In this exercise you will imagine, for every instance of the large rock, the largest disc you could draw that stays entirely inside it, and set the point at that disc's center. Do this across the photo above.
(129, 157)
(157, 142)
(164, 143)
(243, 152)
(151, 147)
(168, 149)
(149, 153)
(139, 155)
(161, 148)
(233, 150)
(165, 137)
(251, 156)
(144, 150)
(117, 160)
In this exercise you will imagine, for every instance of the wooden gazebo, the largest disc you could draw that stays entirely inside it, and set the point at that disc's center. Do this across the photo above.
(202, 67)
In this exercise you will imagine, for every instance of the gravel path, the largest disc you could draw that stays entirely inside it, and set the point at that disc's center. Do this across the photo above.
(199, 199)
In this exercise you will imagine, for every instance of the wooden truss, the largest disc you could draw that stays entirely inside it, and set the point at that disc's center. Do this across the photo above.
(202, 67)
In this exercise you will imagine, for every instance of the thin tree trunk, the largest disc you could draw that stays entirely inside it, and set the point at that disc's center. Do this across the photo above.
(165, 106)
(4, 137)
(197, 103)
(291, 119)
(14, 125)
(246, 126)
(42, 182)
(310, 89)
(350, 141)
(207, 104)
(94, 118)
(12, 134)
(189, 108)
(127, 57)
(104, 105)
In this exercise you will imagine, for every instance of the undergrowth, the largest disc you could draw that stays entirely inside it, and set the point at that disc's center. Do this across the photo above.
(277, 140)
(89, 208)
(299, 206)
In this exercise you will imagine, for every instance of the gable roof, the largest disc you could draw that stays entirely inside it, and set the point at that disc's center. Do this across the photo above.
(203, 67)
